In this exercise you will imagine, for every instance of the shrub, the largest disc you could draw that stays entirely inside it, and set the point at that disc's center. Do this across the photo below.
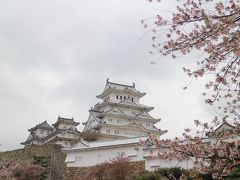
(118, 168)
(149, 176)
(174, 173)
(21, 171)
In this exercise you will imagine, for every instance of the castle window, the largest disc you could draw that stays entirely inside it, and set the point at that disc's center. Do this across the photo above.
(66, 143)
(120, 97)
(110, 120)
(118, 121)
(116, 131)
(124, 97)
(132, 99)
(78, 158)
(108, 131)
(117, 97)
(41, 131)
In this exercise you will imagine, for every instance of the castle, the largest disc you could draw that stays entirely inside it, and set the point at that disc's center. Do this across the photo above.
(63, 132)
(122, 126)
(119, 123)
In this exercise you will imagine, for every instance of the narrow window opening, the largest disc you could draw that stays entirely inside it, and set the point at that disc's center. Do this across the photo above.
(108, 131)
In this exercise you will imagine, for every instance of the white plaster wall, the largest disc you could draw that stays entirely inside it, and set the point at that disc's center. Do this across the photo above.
(122, 121)
(130, 111)
(94, 157)
(115, 120)
(113, 97)
(152, 164)
(123, 132)
(148, 125)
(66, 126)
(42, 132)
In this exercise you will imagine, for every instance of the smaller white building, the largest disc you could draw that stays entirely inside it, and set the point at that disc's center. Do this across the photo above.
(63, 132)
(85, 154)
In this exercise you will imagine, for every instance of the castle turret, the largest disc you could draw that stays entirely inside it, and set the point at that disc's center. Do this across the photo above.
(63, 132)
(38, 133)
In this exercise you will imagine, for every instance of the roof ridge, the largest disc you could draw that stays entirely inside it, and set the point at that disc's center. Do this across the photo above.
(108, 82)
(59, 117)
(110, 140)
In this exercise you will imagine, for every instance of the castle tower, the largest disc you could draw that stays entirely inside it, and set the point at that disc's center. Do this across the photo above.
(120, 114)
(63, 132)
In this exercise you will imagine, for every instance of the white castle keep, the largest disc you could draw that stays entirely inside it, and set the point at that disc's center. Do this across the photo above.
(120, 114)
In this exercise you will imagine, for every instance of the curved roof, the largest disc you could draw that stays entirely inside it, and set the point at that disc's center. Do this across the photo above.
(115, 111)
(115, 87)
(43, 125)
(135, 125)
(109, 143)
(124, 103)
(32, 136)
(61, 120)
(126, 89)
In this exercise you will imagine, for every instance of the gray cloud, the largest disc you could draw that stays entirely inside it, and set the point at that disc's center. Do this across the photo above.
(55, 57)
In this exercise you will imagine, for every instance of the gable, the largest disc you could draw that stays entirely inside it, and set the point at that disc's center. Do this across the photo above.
(144, 115)
(127, 102)
(116, 111)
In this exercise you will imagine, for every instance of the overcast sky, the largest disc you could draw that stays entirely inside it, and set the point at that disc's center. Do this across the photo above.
(55, 57)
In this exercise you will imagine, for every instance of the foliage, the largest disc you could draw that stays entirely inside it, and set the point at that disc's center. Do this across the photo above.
(21, 171)
(174, 173)
(89, 136)
(234, 174)
(149, 176)
(118, 168)
(213, 28)
(98, 172)
(217, 154)
(43, 162)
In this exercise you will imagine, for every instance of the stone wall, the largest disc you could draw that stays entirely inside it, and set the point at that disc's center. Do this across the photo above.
(78, 173)
(53, 151)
